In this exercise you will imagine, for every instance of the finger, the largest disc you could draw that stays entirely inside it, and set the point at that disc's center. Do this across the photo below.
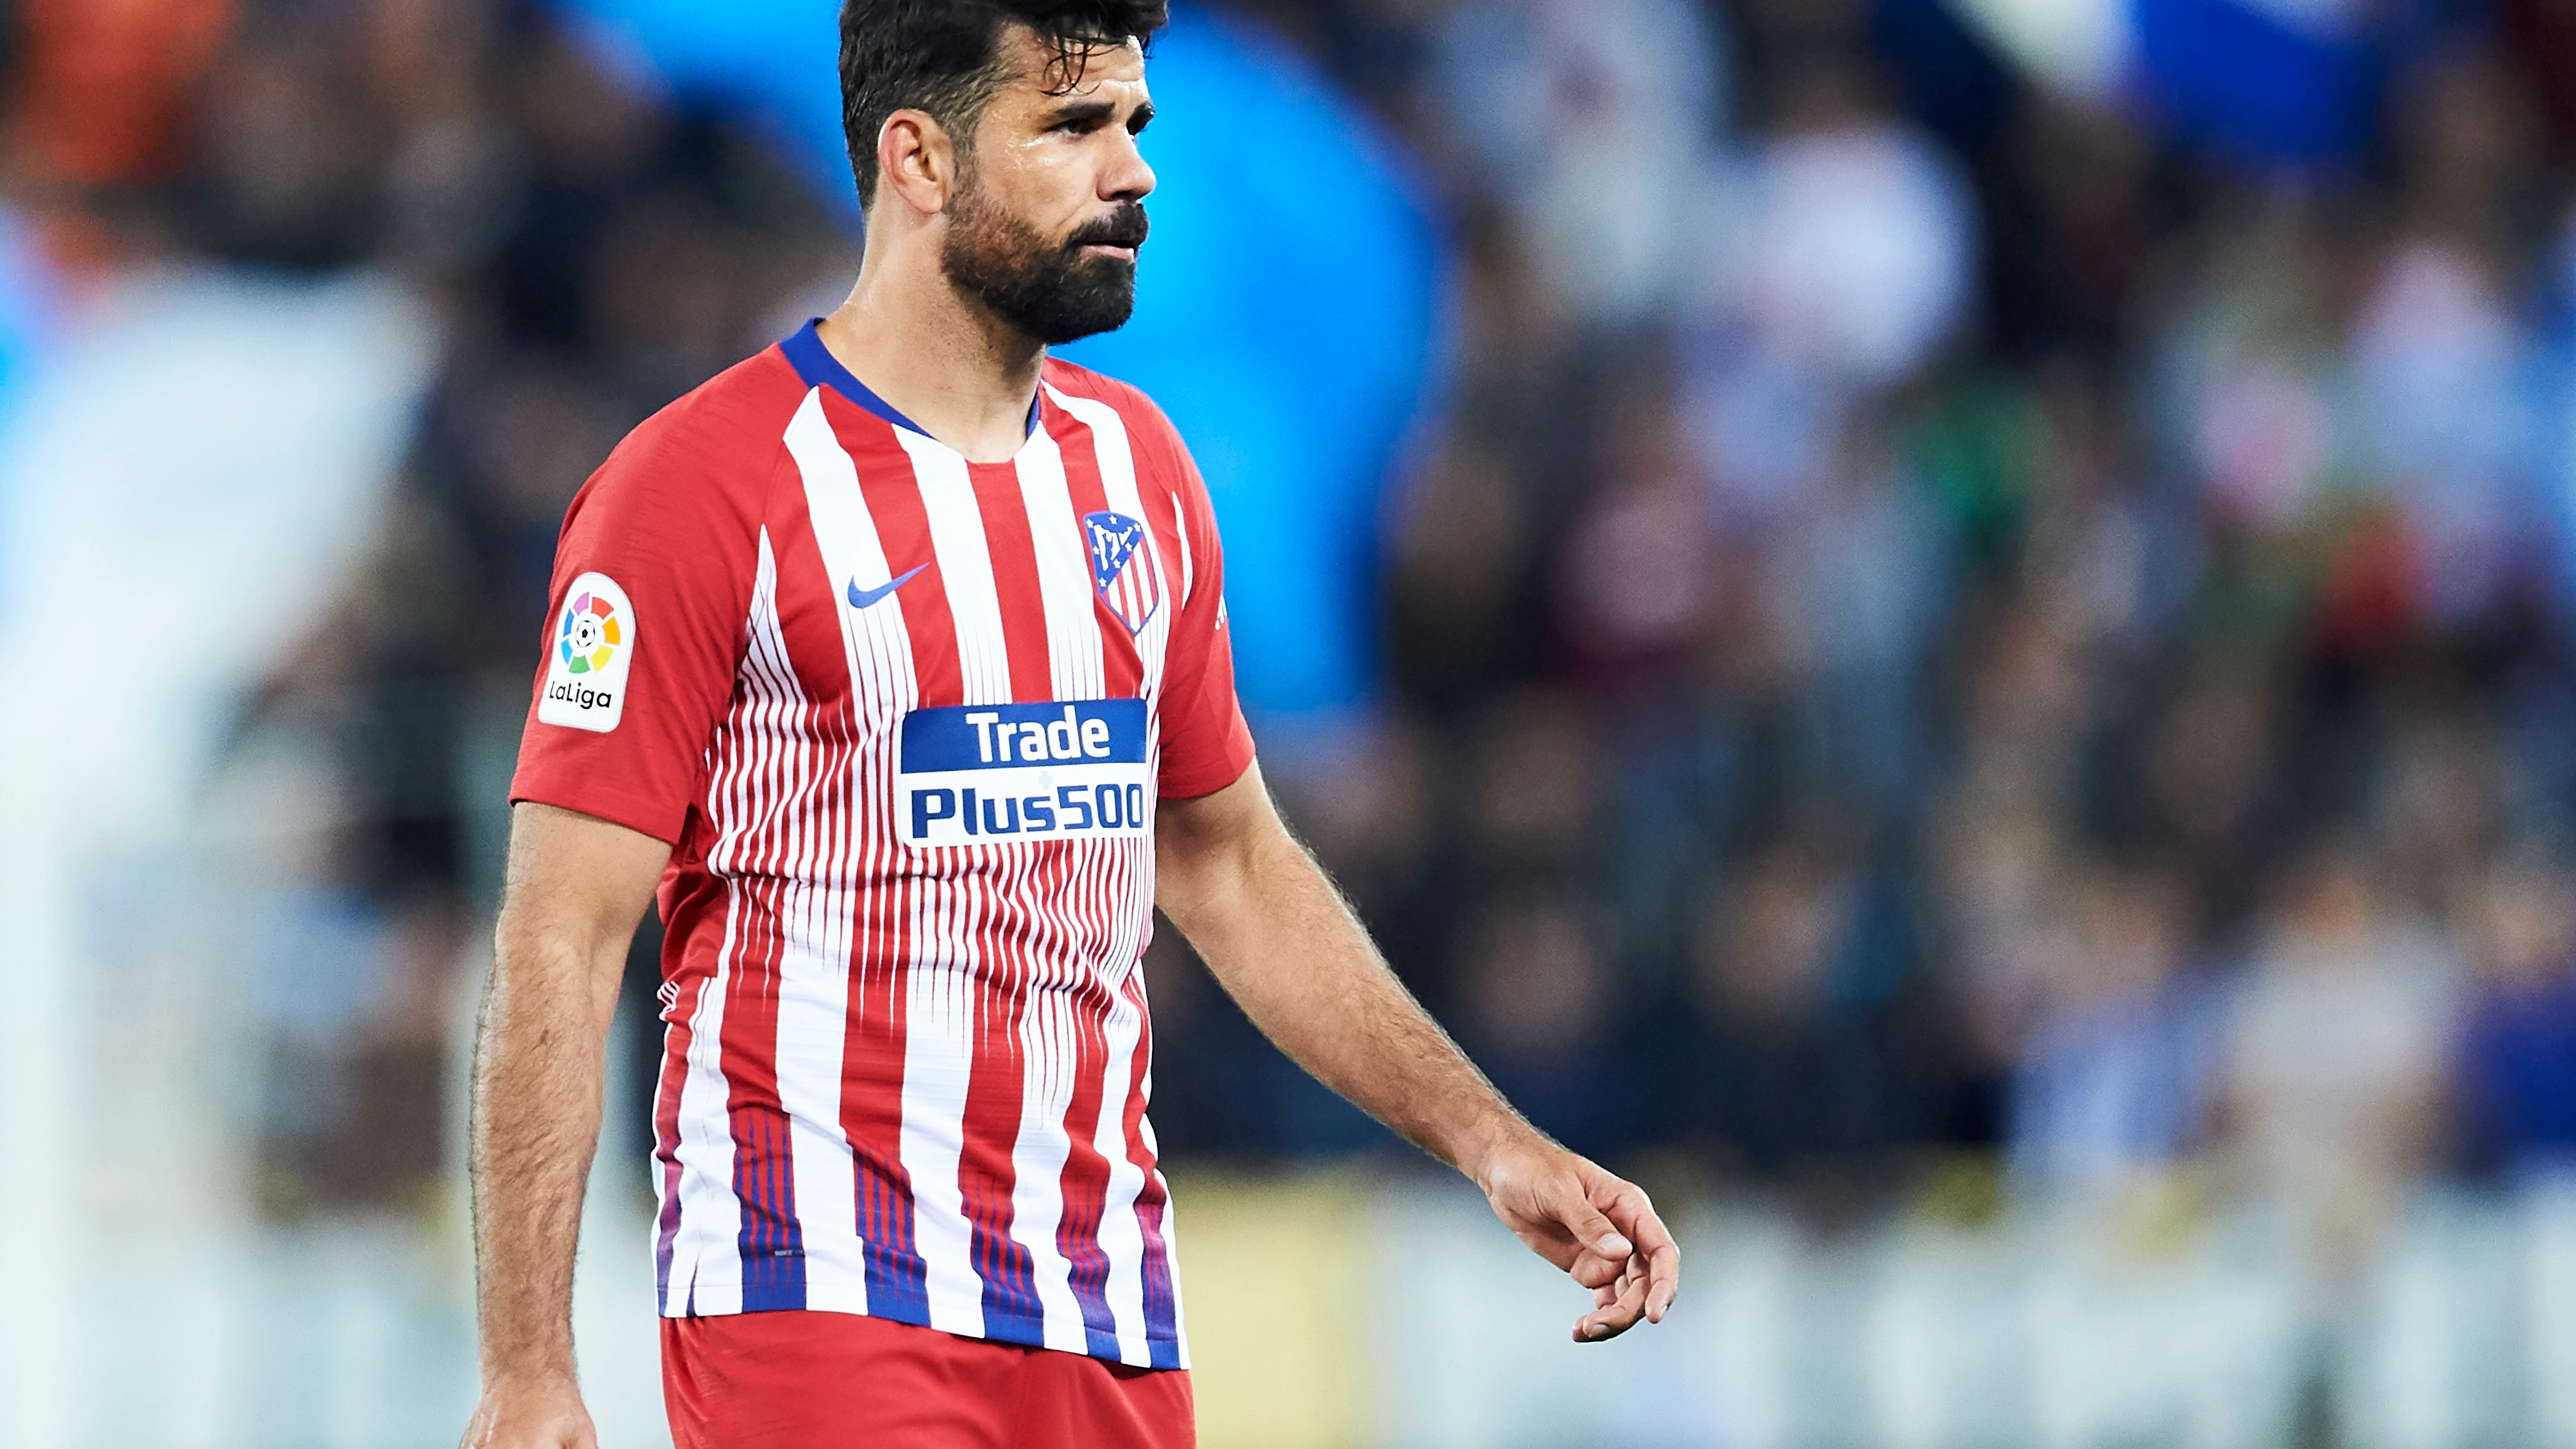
(1603, 1324)
(1614, 1307)
(1610, 1293)
(1635, 1215)
(1595, 1271)
(1663, 1281)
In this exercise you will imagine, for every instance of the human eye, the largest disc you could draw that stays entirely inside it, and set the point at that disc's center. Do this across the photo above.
(1081, 121)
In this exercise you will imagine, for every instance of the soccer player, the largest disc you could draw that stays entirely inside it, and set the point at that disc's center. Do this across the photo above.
(896, 659)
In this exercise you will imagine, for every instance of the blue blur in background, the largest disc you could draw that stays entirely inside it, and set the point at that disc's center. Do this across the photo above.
(2244, 87)
(28, 304)
(1286, 312)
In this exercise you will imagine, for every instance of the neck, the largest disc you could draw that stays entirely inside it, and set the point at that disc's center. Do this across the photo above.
(936, 355)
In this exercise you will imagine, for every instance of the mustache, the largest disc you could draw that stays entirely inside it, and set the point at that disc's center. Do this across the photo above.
(1124, 226)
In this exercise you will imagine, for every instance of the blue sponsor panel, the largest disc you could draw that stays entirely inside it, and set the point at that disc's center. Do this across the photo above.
(1014, 736)
(998, 774)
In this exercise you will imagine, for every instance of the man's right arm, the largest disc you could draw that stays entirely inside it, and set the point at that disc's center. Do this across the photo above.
(577, 886)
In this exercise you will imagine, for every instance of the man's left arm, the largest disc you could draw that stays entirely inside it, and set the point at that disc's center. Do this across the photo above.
(1285, 945)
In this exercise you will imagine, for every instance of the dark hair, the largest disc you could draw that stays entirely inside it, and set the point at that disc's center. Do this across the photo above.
(944, 57)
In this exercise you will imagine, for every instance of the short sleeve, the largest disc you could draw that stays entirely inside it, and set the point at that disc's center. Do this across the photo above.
(652, 582)
(1206, 743)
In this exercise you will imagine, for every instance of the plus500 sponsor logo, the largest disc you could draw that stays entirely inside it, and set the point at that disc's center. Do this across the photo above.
(996, 774)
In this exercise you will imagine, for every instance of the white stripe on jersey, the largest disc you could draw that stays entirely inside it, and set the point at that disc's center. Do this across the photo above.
(814, 981)
(706, 1265)
(965, 567)
(1122, 1233)
(1037, 1161)
(939, 1051)
(938, 1055)
(1074, 661)
(1171, 1232)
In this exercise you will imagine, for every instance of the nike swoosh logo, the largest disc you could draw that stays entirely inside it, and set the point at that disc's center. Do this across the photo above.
(863, 598)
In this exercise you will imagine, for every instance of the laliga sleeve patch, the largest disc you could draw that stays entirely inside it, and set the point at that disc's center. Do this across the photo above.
(594, 646)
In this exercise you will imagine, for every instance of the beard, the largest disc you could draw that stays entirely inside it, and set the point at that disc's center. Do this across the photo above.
(1048, 290)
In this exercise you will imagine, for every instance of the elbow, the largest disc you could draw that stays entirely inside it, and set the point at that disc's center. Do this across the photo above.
(563, 978)
(1183, 900)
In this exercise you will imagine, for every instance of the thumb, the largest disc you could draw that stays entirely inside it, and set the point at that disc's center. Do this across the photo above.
(1595, 1232)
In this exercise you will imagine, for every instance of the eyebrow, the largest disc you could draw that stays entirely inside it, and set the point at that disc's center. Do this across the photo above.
(1099, 111)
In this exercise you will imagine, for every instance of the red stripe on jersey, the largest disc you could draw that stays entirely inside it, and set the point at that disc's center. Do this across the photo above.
(996, 1086)
(1085, 1182)
(892, 491)
(1161, 1302)
(762, 1177)
(1121, 656)
(1015, 578)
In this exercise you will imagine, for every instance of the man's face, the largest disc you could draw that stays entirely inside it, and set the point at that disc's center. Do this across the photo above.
(1048, 215)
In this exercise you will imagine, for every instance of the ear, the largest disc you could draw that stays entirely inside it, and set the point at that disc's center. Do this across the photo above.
(916, 162)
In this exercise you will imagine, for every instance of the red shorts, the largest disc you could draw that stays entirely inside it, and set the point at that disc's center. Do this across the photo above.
(795, 1380)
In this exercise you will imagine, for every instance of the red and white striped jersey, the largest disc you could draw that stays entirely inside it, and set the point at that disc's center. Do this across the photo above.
(905, 719)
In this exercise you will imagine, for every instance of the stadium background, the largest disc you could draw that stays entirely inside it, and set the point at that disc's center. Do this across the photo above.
(1942, 627)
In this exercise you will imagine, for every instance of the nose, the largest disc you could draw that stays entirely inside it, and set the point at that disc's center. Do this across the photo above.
(1128, 177)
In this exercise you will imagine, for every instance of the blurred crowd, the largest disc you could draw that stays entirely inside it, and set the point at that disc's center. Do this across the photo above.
(1935, 624)
(1943, 624)
(590, 251)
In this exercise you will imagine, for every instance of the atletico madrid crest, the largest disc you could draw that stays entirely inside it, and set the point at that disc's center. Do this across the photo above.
(1123, 568)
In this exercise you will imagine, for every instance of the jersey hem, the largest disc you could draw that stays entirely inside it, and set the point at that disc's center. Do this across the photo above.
(1179, 1350)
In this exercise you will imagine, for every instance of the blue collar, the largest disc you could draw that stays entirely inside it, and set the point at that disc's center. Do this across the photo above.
(815, 364)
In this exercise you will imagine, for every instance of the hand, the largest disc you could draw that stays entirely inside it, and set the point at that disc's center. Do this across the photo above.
(541, 1412)
(1601, 1230)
